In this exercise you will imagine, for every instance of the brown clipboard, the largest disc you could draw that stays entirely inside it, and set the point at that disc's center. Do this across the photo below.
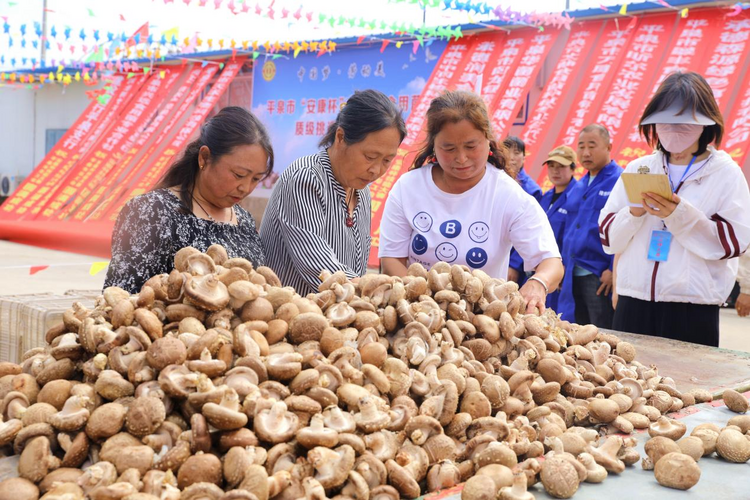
(635, 184)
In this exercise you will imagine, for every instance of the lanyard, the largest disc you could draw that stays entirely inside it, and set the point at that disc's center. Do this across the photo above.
(692, 160)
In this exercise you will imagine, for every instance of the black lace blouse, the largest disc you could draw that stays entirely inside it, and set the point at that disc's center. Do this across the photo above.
(152, 227)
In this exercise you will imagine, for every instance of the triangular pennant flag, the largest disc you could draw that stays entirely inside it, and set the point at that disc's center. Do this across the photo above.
(684, 12)
(384, 45)
(624, 9)
(35, 269)
(98, 267)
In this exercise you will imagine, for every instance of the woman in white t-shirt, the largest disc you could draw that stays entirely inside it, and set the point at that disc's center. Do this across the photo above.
(458, 205)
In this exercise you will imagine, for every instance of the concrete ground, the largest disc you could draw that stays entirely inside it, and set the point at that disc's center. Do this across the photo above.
(69, 271)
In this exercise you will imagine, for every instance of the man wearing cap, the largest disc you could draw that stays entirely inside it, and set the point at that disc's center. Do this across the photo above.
(561, 164)
(585, 296)
(677, 255)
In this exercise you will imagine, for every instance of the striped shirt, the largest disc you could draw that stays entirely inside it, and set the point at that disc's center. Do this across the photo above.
(304, 227)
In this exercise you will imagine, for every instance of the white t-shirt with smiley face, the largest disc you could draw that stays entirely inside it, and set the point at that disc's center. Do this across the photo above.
(476, 228)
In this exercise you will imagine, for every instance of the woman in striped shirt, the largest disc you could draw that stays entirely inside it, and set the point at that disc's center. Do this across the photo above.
(318, 216)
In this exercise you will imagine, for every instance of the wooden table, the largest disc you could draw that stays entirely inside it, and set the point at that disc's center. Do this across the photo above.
(693, 366)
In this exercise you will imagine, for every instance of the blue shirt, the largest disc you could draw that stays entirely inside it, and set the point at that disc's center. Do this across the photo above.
(583, 247)
(529, 185)
(557, 215)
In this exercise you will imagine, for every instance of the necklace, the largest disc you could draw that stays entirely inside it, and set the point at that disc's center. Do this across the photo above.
(349, 218)
(210, 217)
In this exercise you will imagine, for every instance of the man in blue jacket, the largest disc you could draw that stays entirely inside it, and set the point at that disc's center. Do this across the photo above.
(586, 290)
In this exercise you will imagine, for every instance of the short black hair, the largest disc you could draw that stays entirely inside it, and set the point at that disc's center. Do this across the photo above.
(513, 142)
(599, 129)
(365, 112)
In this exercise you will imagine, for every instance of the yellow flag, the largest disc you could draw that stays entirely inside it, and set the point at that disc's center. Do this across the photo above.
(684, 12)
(624, 9)
(98, 267)
(399, 44)
(162, 74)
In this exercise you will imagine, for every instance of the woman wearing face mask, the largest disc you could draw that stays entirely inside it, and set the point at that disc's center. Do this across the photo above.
(318, 217)
(678, 256)
(458, 205)
(196, 202)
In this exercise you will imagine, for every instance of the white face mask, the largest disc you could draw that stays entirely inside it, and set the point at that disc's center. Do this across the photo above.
(677, 137)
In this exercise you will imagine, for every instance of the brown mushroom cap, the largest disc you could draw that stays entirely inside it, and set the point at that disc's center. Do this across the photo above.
(200, 468)
(735, 401)
(37, 460)
(166, 351)
(18, 488)
(676, 470)
(479, 487)
(106, 421)
(733, 446)
(144, 416)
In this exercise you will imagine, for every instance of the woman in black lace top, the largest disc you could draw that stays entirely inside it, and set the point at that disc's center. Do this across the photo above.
(196, 202)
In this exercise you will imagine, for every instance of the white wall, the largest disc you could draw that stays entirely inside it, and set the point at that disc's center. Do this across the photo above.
(16, 131)
(26, 116)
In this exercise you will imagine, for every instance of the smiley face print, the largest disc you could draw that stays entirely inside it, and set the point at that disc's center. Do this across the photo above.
(476, 258)
(446, 252)
(422, 221)
(479, 232)
(419, 244)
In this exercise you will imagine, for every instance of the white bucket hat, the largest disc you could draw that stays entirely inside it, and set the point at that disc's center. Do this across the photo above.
(672, 115)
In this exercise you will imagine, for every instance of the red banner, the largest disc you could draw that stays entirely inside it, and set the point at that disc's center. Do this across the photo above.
(138, 149)
(694, 37)
(121, 161)
(728, 58)
(598, 76)
(32, 190)
(509, 103)
(580, 42)
(159, 165)
(119, 141)
(72, 164)
(737, 127)
(633, 81)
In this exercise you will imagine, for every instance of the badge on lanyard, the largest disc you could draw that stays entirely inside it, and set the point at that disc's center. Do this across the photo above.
(658, 248)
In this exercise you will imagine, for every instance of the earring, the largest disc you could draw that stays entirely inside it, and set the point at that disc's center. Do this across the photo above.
(491, 154)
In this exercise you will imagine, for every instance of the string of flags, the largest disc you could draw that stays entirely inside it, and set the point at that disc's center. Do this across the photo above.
(94, 267)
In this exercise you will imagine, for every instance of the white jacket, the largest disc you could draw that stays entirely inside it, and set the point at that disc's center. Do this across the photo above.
(710, 228)
(743, 273)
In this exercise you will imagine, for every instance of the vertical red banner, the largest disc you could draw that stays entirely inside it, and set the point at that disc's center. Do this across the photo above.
(728, 58)
(109, 176)
(71, 191)
(132, 187)
(633, 80)
(598, 74)
(30, 190)
(560, 83)
(116, 147)
(59, 177)
(156, 170)
(694, 37)
(129, 162)
(508, 104)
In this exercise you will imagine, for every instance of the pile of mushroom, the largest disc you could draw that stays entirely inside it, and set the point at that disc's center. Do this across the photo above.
(675, 461)
(217, 382)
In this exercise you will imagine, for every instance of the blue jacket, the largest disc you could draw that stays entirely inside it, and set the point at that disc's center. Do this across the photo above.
(582, 244)
(557, 215)
(531, 187)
